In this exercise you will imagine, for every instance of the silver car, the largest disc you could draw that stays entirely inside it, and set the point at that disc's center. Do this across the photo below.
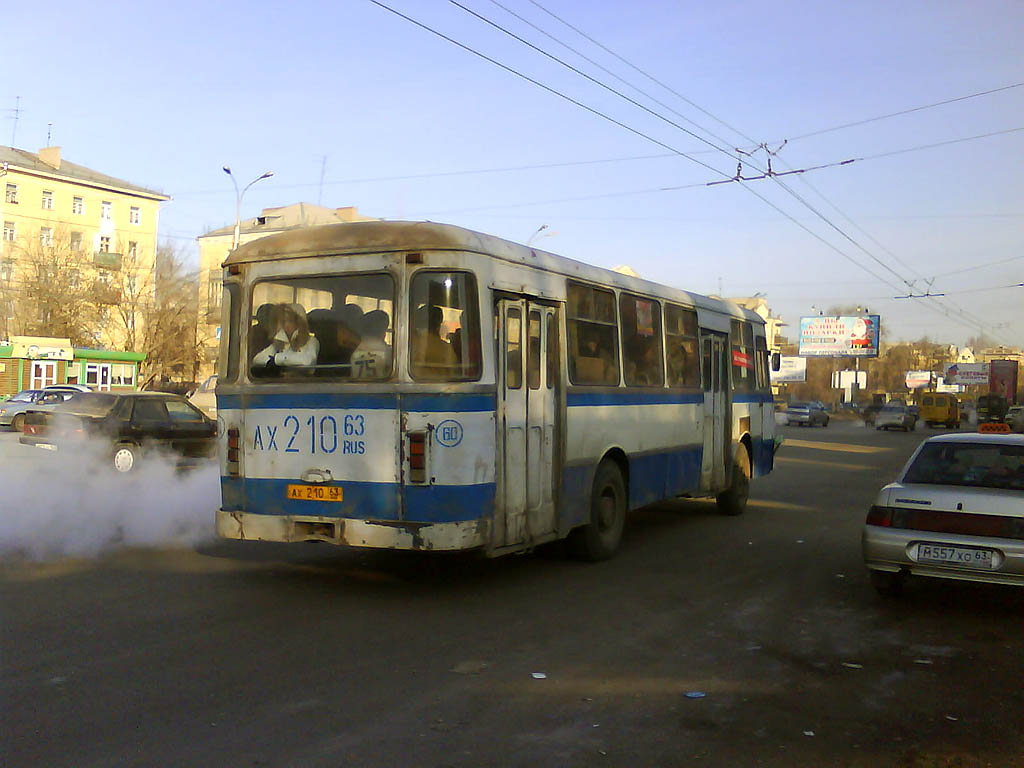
(955, 512)
(895, 417)
(12, 411)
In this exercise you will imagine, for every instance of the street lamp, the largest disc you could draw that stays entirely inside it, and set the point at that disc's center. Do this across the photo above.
(238, 199)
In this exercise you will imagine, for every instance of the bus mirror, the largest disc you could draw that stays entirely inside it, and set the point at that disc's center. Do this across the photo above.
(776, 361)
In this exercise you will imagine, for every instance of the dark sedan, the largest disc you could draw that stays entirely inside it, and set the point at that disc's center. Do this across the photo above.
(127, 427)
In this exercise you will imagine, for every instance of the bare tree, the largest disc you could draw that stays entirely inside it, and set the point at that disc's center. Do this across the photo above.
(50, 287)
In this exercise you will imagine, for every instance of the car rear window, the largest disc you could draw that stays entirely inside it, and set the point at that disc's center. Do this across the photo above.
(88, 404)
(973, 465)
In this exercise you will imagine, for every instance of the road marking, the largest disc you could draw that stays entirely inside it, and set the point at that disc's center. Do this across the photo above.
(779, 505)
(821, 463)
(841, 447)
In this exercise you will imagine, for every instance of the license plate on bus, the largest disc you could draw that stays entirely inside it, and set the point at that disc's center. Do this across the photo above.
(946, 555)
(315, 492)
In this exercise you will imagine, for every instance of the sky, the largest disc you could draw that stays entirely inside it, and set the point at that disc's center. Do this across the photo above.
(350, 104)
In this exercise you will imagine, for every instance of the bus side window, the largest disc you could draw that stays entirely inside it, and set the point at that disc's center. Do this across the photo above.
(742, 341)
(641, 341)
(681, 344)
(593, 336)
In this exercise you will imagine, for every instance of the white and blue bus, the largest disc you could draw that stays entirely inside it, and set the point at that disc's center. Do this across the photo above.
(412, 385)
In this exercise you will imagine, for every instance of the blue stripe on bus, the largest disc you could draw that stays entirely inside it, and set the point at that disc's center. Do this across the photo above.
(652, 477)
(364, 501)
(432, 403)
(753, 397)
(632, 397)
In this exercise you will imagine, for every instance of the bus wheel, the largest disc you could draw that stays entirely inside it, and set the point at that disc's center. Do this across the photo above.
(733, 500)
(600, 537)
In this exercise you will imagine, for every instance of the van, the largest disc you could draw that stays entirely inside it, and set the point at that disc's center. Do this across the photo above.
(940, 408)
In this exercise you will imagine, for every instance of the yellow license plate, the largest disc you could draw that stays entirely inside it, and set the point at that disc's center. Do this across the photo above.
(315, 492)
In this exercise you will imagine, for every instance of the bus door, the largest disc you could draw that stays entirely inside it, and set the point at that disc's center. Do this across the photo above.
(715, 380)
(528, 391)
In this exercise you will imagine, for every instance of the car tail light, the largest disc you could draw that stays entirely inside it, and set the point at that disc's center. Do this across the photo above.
(880, 516)
(234, 442)
(417, 457)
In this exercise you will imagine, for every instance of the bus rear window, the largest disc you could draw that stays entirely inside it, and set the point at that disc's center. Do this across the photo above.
(338, 326)
(444, 327)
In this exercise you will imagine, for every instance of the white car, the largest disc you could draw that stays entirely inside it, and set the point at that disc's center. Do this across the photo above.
(955, 512)
(205, 397)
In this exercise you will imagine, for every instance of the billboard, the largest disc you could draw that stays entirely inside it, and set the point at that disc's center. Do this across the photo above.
(791, 370)
(1003, 379)
(918, 379)
(971, 374)
(853, 336)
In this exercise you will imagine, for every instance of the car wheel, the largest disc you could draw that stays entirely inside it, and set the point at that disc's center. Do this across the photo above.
(733, 500)
(18, 422)
(887, 583)
(600, 537)
(825, 423)
(126, 457)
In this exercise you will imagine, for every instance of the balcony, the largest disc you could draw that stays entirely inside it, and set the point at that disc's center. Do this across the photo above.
(107, 260)
(104, 293)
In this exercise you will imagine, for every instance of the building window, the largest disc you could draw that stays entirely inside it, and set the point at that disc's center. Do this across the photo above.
(45, 236)
(75, 278)
(11, 195)
(135, 215)
(214, 294)
(6, 270)
(10, 231)
(76, 242)
(47, 200)
(133, 248)
(78, 206)
(104, 244)
(106, 210)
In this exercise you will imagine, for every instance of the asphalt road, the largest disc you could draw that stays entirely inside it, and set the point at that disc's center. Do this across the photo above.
(707, 641)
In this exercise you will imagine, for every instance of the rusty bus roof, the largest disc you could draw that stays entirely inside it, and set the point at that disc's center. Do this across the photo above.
(366, 237)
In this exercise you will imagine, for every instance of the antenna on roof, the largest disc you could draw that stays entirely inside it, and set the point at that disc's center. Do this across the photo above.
(49, 133)
(17, 114)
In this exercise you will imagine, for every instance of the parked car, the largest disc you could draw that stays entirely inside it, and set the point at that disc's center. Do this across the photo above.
(940, 408)
(204, 397)
(807, 414)
(12, 410)
(128, 427)
(1015, 418)
(956, 511)
(898, 416)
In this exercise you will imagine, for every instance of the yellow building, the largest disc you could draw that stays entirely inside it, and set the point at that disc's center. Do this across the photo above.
(96, 233)
(215, 246)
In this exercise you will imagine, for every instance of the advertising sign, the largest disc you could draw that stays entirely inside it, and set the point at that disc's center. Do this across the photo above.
(1003, 379)
(971, 374)
(41, 348)
(791, 369)
(918, 379)
(839, 336)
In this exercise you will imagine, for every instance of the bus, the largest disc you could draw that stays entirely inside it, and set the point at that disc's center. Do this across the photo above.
(420, 386)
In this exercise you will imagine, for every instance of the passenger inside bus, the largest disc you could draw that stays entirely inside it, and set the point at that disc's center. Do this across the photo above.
(594, 365)
(433, 357)
(372, 358)
(292, 343)
(348, 332)
(268, 317)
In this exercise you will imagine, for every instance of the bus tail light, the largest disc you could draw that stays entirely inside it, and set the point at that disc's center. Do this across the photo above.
(417, 457)
(234, 442)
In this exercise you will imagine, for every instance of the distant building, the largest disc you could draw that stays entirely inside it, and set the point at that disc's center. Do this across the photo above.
(29, 362)
(773, 324)
(57, 211)
(215, 246)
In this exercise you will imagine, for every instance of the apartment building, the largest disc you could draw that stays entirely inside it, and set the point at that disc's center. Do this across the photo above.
(215, 246)
(76, 225)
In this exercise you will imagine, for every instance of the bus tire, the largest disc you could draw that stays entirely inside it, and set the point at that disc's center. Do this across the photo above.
(599, 538)
(733, 500)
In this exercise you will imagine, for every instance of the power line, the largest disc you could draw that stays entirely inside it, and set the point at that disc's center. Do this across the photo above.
(977, 267)
(905, 111)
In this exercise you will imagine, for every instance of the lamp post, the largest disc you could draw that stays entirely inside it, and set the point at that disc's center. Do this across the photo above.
(238, 200)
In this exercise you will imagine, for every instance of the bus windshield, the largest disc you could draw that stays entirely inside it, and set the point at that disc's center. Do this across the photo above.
(327, 326)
